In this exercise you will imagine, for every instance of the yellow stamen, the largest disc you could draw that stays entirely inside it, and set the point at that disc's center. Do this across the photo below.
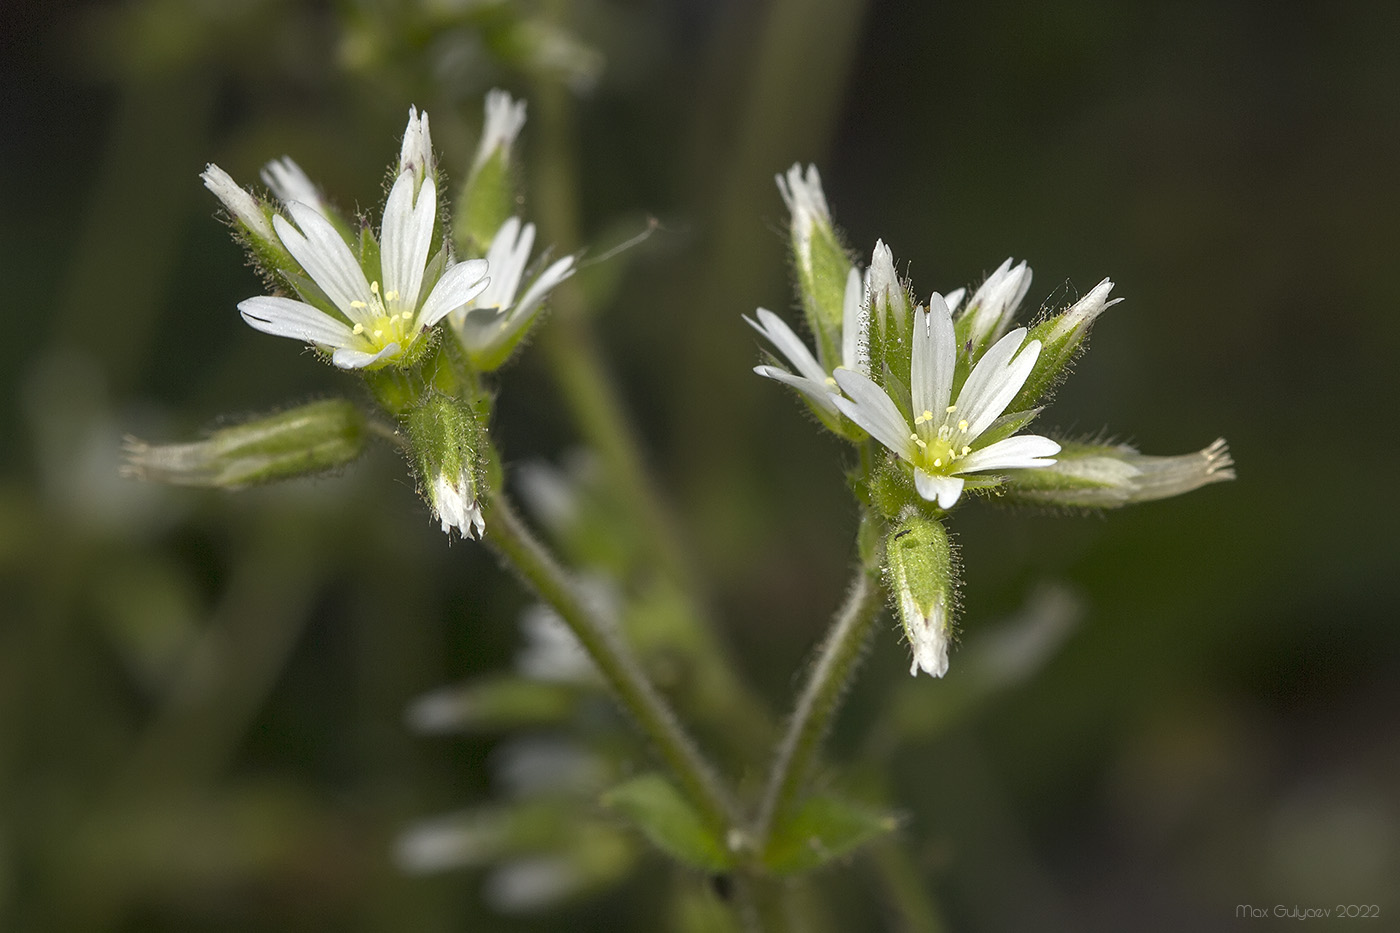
(951, 408)
(965, 451)
(378, 332)
(358, 304)
(926, 416)
(358, 329)
(962, 425)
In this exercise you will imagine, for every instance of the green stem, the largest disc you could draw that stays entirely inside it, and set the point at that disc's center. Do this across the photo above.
(819, 700)
(518, 548)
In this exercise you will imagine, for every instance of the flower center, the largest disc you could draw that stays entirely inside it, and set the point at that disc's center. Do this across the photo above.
(937, 449)
(389, 325)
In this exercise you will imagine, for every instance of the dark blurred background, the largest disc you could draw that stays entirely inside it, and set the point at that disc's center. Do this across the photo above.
(202, 694)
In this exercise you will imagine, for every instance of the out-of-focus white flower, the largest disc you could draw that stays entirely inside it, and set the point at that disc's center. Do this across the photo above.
(505, 117)
(492, 322)
(289, 183)
(812, 379)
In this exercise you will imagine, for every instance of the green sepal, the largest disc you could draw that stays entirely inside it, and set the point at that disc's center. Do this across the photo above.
(821, 829)
(488, 199)
(667, 820)
(822, 287)
(307, 439)
(1051, 367)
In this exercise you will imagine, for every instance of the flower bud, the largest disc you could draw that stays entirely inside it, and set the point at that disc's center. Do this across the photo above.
(1102, 476)
(446, 438)
(416, 154)
(1060, 339)
(921, 578)
(821, 261)
(489, 197)
(890, 316)
(992, 307)
(307, 439)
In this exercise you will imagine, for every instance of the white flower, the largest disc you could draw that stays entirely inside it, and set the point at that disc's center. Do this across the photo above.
(383, 322)
(504, 119)
(994, 304)
(242, 205)
(289, 183)
(455, 505)
(489, 324)
(941, 444)
(812, 379)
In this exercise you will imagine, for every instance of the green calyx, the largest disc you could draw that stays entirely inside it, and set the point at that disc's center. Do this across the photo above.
(307, 439)
(488, 199)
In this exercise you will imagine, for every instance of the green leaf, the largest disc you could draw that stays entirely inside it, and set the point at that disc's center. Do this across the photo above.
(822, 829)
(654, 806)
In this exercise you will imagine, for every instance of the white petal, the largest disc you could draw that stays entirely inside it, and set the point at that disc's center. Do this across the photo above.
(934, 357)
(289, 183)
(560, 270)
(1015, 453)
(238, 201)
(326, 258)
(928, 636)
(504, 119)
(284, 317)
(358, 359)
(405, 239)
(788, 344)
(995, 380)
(872, 409)
(458, 285)
(855, 349)
(416, 153)
(508, 255)
(819, 392)
(946, 489)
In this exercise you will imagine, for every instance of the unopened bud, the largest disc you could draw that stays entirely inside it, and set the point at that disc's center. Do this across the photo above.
(992, 307)
(1060, 338)
(1102, 476)
(922, 581)
(243, 208)
(821, 261)
(446, 440)
(489, 196)
(307, 439)
(416, 154)
(891, 315)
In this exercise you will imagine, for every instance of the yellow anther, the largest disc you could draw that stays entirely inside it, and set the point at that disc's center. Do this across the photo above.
(926, 416)
(951, 408)
(378, 332)
(391, 296)
(938, 462)
(374, 287)
(962, 425)
(965, 451)
(913, 437)
(358, 304)
(829, 381)
(922, 445)
(358, 329)
(406, 315)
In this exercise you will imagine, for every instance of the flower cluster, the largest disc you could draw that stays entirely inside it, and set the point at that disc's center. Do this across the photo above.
(946, 389)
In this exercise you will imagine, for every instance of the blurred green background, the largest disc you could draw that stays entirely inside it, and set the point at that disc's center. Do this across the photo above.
(202, 694)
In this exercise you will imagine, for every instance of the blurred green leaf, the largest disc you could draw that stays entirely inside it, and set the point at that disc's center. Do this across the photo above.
(658, 810)
(823, 828)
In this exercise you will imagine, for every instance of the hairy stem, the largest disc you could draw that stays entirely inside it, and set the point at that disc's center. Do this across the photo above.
(520, 551)
(818, 702)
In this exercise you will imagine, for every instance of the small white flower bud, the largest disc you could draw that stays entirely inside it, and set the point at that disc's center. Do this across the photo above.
(242, 205)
